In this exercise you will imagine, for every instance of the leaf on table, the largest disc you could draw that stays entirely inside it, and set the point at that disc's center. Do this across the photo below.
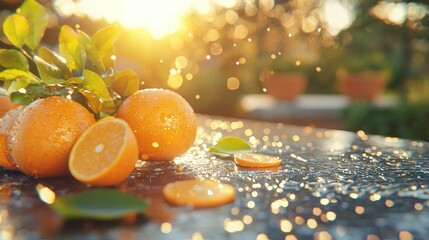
(37, 18)
(10, 58)
(126, 83)
(94, 83)
(71, 48)
(16, 28)
(231, 145)
(100, 204)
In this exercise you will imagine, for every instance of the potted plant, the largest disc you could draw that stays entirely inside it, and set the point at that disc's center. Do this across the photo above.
(363, 78)
(284, 80)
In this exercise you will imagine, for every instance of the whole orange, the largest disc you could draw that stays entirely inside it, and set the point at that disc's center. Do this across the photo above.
(6, 124)
(44, 134)
(163, 121)
(6, 105)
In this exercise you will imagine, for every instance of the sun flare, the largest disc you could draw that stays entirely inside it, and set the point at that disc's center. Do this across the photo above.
(159, 18)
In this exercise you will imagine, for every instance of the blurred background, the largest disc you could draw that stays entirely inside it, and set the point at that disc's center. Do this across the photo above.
(287, 61)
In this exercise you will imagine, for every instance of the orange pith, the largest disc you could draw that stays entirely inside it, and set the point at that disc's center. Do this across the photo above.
(105, 154)
(198, 193)
(256, 160)
(163, 122)
(44, 134)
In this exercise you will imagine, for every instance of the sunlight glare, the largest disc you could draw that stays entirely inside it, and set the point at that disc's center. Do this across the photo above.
(397, 13)
(338, 15)
(160, 18)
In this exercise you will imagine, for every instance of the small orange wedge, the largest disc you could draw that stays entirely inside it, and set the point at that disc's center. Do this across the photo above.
(105, 154)
(256, 160)
(198, 193)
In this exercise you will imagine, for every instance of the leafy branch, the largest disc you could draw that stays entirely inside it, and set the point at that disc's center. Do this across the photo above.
(82, 69)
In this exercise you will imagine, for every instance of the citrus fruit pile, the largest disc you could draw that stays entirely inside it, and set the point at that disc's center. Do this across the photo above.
(56, 136)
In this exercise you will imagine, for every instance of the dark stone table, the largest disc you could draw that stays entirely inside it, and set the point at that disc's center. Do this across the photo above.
(331, 185)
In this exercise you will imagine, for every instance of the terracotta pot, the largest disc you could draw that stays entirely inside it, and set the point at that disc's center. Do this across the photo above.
(365, 85)
(286, 85)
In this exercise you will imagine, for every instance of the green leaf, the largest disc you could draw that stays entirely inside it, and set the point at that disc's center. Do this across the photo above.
(20, 83)
(105, 38)
(100, 204)
(74, 80)
(72, 48)
(38, 20)
(51, 69)
(20, 98)
(126, 83)
(231, 145)
(94, 83)
(93, 101)
(10, 58)
(107, 58)
(109, 107)
(15, 74)
(94, 62)
(16, 29)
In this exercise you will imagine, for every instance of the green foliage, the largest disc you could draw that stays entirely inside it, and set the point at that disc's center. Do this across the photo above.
(407, 120)
(83, 69)
(100, 204)
(281, 65)
(125, 82)
(16, 29)
(13, 59)
(231, 145)
(371, 62)
(37, 20)
(72, 48)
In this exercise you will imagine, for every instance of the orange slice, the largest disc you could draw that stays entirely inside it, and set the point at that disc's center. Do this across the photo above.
(256, 160)
(198, 193)
(105, 154)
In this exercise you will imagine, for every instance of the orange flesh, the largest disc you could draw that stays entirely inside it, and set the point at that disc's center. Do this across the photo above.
(198, 193)
(256, 160)
(105, 154)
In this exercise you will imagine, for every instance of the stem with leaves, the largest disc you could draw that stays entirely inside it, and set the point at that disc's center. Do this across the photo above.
(82, 70)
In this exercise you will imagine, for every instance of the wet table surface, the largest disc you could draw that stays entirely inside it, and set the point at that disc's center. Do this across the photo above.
(331, 185)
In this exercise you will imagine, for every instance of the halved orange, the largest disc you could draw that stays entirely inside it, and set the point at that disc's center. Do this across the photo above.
(256, 160)
(105, 154)
(198, 193)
